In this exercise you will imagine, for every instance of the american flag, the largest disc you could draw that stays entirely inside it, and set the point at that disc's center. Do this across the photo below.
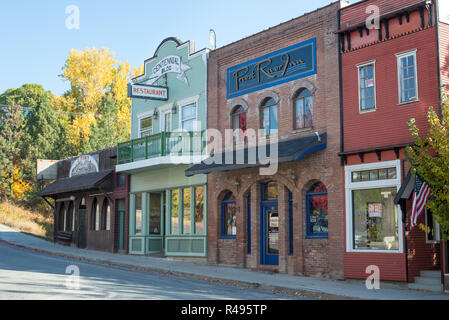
(420, 196)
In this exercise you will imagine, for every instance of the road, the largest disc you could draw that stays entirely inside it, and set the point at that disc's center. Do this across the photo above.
(26, 274)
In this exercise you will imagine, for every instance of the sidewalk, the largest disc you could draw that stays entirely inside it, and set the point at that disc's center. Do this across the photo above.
(347, 289)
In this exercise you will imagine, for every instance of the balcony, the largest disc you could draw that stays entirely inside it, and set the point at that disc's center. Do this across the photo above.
(173, 147)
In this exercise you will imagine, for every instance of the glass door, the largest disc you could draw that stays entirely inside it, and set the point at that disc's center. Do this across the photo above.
(270, 235)
(155, 242)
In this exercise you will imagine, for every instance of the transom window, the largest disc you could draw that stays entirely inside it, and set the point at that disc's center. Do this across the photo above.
(304, 109)
(374, 175)
(367, 87)
(146, 126)
(188, 117)
(408, 85)
(317, 210)
(269, 111)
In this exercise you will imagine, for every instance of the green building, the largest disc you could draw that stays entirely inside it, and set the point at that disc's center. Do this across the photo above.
(168, 211)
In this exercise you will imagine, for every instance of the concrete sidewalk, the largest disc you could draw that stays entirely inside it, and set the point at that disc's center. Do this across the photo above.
(352, 289)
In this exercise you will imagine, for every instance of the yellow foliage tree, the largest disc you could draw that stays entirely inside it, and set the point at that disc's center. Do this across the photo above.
(18, 186)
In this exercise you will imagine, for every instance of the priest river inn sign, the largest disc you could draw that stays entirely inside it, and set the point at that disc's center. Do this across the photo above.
(294, 62)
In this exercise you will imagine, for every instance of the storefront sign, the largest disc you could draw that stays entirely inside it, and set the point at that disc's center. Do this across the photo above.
(170, 64)
(147, 92)
(291, 63)
(84, 164)
(47, 169)
(375, 210)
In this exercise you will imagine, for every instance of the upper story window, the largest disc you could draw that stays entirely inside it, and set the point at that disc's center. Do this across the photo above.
(166, 122)
(408, 80)
(188, 117)
(146, 126)
(239, 120)
(269, 112)
(367, 87)
(228, 216)
(304, 109)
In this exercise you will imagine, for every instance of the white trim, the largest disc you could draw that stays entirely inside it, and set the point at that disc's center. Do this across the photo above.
(359, 66)
(351, 186)
(399, 56)
(162, 124)
(139, 118)
(185, 102)
(167, 160)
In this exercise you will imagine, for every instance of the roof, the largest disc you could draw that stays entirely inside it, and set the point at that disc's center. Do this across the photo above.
(288, 150)
(83, 182)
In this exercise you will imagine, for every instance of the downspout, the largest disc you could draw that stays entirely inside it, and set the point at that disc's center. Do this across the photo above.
(404, 228)
(340, 75)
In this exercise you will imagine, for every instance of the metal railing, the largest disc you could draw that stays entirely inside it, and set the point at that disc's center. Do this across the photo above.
(162, 144)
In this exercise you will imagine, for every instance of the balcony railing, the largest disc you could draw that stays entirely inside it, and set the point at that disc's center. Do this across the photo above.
(161, 145)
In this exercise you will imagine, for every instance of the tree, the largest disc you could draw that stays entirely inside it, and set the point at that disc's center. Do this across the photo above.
(429, 157)
(92, 74)
(11, 151)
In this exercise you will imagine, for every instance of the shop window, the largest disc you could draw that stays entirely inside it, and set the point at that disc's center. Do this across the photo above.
(138, 221)
(186, 221)
(146, 126)
(372, 217)
(188, 117)
(317, 211)
(95, 215)
(238, 118)
(269, 112)
(228, 216)
(106, 216)
(175, 211)
(304, 109)
(408, 80)
(199, 210)
(367, 87)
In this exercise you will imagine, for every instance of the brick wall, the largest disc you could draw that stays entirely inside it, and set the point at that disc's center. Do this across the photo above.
(310, 257)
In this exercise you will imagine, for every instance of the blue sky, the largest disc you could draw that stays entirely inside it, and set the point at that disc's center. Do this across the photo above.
(35, 41)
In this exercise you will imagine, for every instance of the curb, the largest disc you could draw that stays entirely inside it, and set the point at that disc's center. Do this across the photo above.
(307, 293)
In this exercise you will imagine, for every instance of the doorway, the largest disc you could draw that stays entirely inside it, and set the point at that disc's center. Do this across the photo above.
(269, 247)
(156, 223)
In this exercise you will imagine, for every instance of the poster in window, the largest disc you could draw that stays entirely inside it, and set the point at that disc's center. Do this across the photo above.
(375, 210)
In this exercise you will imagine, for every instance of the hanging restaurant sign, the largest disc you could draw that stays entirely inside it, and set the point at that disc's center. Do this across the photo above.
(83, 165)
(147, 92)
(297, 61)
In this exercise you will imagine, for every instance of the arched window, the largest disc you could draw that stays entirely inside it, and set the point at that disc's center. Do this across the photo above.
(106, 216)
(62, 218)
(95, 215)
(238, 119)
(317, 207)
(228, 216)
(304, 109)
(269, 116)
(82, 203)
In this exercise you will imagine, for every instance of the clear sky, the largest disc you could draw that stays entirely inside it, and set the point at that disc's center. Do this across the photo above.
(35, 41)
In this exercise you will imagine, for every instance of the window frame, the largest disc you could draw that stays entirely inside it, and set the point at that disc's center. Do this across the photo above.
(359, 88)
(309, 195)
(143, 117)
(195, 118)
(163, 123)
(435, 228)
(264, 106)
(366, 185)
(295, 100)
(223, 203)
(399, 56)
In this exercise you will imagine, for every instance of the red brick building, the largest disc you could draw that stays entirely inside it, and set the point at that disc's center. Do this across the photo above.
(283, 81)
(391, 71)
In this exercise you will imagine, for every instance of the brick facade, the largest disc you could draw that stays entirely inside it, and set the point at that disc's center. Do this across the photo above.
(311, 257)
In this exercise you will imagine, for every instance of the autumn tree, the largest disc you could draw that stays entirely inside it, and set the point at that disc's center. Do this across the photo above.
(92, 74)
(429, 157)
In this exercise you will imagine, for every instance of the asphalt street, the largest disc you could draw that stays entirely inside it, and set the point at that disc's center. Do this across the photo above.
(26, 274)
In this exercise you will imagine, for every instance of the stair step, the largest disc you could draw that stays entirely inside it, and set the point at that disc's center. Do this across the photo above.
(428, 280)
(417, 286)
(431, 274)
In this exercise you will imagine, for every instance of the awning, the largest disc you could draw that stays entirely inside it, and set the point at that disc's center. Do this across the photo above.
(90, 181)
(289, 150)
(405, 192)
